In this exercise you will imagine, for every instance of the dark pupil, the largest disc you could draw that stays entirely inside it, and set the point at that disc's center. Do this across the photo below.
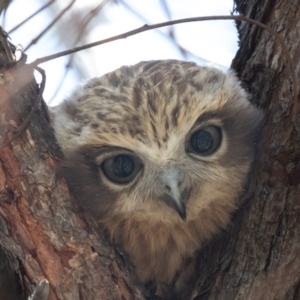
(122, 166)
(202, 141)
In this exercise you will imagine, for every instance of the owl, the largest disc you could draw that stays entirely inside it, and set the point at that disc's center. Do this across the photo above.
(158, 153)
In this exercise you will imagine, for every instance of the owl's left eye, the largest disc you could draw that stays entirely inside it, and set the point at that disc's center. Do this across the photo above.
(121, 168)
(206, 140)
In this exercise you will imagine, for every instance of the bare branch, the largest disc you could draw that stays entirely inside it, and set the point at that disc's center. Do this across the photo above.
(146, 27)
(34, 41)
(170, 35)
(5, 43)
(165, 8)
(31, 16)
(88, 18)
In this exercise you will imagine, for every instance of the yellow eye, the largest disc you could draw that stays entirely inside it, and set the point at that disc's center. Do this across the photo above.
(121, 168)
(206, 140)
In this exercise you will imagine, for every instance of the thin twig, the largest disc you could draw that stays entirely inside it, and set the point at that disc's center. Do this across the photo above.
(31, 16)
(61, 82)
(25, 123)
(5, 43)
(50, 25)
(170, 35)
(93, 13)
(88, 18)
(3, 8)
(166, 9)
(188, 20)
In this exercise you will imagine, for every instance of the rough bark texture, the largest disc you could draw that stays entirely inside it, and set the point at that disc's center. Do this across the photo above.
(45, 234)
(42, 230)
(259, 256)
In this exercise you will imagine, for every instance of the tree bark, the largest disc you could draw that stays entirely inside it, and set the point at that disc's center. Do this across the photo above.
(259, 256)
(45, 234)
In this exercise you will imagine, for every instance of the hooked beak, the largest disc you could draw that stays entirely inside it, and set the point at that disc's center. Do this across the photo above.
(178, 205)
(175, 195)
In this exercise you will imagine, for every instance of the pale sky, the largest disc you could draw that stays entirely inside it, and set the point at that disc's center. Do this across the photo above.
(211, 41)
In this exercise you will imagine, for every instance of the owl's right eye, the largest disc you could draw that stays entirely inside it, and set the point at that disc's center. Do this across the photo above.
(121, 169)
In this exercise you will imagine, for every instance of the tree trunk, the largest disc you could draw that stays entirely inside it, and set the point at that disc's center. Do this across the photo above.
(45, 235)
(259, 256)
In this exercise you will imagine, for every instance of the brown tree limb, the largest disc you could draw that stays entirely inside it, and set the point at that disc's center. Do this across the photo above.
(42, 226)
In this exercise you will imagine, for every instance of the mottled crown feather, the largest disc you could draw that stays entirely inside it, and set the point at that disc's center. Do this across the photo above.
(153, 99)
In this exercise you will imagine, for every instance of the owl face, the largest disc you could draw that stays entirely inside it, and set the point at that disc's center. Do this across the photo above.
(161, 141)
(167, 177)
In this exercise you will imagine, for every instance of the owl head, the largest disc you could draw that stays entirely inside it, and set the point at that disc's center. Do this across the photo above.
(161, 140)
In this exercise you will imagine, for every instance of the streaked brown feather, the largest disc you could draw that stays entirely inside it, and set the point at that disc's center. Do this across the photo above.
(150, 109)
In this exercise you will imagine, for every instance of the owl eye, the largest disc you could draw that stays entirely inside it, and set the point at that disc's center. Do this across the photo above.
(121, 169)
(206, 140)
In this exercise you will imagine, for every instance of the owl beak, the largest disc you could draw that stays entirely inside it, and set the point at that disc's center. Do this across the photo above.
(174, 195)
(180, 208)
